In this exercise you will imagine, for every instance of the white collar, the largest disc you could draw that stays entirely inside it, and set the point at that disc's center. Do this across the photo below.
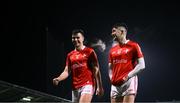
(116, 43)
(81, 48)
(126, 41)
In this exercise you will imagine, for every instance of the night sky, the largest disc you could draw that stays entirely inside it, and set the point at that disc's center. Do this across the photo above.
(37, 38)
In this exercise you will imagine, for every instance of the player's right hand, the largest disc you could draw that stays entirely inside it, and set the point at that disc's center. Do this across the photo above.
(55, 81)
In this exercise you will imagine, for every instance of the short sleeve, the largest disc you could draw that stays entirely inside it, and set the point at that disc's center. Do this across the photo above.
(93, 58)
(68, 60)
(138, 51)
(109, 57)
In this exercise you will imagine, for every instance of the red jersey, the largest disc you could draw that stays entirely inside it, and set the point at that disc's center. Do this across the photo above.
(80, 63)
(123, 58)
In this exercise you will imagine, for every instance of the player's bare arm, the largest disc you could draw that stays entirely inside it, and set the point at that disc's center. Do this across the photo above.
(97, 74)
(62, 76)
(138, 68)
(110, 70)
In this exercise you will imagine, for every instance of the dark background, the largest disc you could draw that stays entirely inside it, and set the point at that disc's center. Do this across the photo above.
(36, 38)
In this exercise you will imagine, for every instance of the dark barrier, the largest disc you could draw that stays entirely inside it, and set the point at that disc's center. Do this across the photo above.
(14, 93)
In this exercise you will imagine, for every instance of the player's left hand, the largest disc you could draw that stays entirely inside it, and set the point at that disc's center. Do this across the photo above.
(125, 78)
(100, 91)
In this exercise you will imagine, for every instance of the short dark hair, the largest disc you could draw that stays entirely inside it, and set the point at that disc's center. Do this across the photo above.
(120, 25)
(75, 31)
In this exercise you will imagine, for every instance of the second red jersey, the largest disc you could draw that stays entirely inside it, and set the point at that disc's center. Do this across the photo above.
(80, 63)
(123, 59)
